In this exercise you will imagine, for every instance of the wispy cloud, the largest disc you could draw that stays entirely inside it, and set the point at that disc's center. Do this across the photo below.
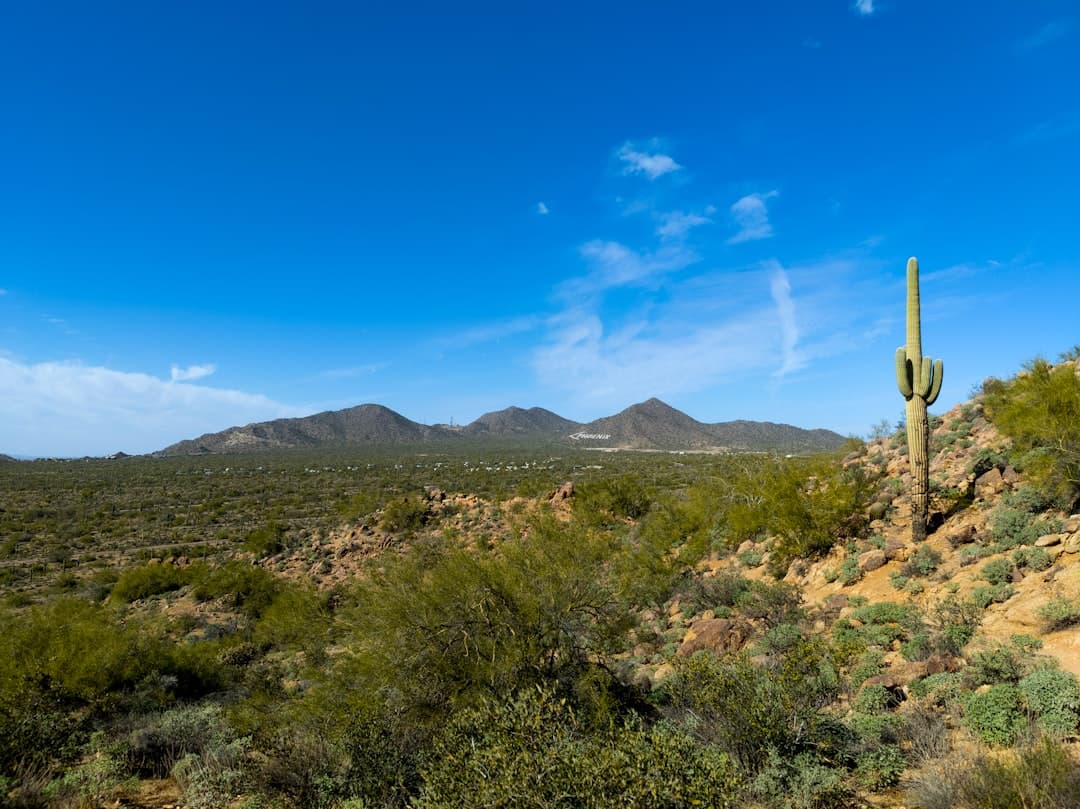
(676, 224)
(3, 292)
(488, 332)
(780, 288)
(1051, 32)
(865, 7)
(812, 43)
(1047, 131)
(615, 265)
(352, 371)
(542, 209)
(651, 165)
(191, 373)
(68, 408)
(751, 215)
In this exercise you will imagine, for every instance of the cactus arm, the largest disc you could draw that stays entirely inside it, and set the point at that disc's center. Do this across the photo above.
(935, 388)
(903, 373)
(922, 384)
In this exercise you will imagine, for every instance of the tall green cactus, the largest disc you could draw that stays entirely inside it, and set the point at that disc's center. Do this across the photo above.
(919, 381)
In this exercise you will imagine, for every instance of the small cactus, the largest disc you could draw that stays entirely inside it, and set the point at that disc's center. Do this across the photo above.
(919, 381)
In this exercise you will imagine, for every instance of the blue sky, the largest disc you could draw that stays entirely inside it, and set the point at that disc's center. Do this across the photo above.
(219, 213)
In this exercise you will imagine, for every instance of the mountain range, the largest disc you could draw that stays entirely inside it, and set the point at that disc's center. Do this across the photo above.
(649, 425)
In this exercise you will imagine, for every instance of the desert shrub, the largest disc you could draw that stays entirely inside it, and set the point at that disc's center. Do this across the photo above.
(1053, 695)
(771, 603)
(872, 699)
(1039, 410)
(849, 572)
(749, 709)
(625, 496)
(807, 505)
(1041, 776)
(215, 777)
(148, 580)
(881, 767)
(154, 749)
(998, 664)
(405, 515)
(1059, 613)
(1011, 527)
(296, 618)
(699, 593)
(1032, 558)
(995, 715)
(939, 689)
(918, 647)
(994, 594)
(923, 562)
(751, 558)
(266, 540)
(956, 622)
(249, 588)
(998, 571)
(445, 633)
(804, 782)
(870, 664)
(534, 751)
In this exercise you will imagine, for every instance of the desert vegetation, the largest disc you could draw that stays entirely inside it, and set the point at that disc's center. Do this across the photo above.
(434, 630)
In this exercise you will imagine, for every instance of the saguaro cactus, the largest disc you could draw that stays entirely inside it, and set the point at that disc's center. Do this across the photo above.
(919, 381)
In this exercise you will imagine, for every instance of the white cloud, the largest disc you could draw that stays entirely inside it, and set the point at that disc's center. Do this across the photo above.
(865, 7)
(676, 224)
(616, 265)
(192, 372)
(718, 328)
(616, 367)
(780, 287)
(70, 409)
(651, 165)
(542, 209)
(751, 214)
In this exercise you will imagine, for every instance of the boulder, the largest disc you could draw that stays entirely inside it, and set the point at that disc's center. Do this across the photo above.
(872, 560)
(715, 634)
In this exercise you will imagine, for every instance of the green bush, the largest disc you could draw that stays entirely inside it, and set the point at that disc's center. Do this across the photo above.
(1060, 613)
(266, 540)
(881, 767)
(1053, 696)
(806, 504)
(995, 594)
(1039, 410)
(250, 589)
(923, 562)
(625, 496)
(995, 715)
(405, 515)
(998, 571)
(536, 752)
(1032, 558)
(148, 580)
(749, 709)
(1042, 776)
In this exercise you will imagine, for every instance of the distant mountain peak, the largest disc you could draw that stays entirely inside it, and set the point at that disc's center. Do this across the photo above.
(652, 424)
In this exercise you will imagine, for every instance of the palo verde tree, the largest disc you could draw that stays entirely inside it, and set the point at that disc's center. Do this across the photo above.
(919, 380)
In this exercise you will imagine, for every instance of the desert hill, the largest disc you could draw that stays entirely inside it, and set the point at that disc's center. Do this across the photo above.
(649, 425)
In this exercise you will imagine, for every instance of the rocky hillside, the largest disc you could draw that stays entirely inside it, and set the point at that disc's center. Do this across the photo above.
(366, 424)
